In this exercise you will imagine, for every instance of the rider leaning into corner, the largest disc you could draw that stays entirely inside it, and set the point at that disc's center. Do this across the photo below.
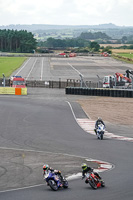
(99, 121)
(86, 169)
(46, 170)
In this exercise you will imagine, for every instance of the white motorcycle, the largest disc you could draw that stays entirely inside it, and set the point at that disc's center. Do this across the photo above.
(100, 131)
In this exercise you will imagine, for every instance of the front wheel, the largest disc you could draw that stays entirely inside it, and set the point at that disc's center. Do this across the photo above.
(101, 136)
(102, 184)
(65, 183)
(53, 185)
(93, 184)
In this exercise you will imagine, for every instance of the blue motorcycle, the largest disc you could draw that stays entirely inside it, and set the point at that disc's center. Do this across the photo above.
(100, 131)
(54, 181)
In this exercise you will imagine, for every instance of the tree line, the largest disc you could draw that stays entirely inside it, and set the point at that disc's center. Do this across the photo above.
(17, 41)
(93, 36)
(77, 44)
(82, 41)
(74, 42)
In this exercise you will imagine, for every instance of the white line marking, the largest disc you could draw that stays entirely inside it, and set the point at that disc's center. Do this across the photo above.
(21, 188)
(71, 177)
(103, 167)
(74, 176)
(75, 69)
(26, 150)
(72, 110)
(22, 67)
(31, 68)
(42, 70)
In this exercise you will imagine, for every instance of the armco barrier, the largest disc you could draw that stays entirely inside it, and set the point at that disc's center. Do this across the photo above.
(100, 92)
(13, 91)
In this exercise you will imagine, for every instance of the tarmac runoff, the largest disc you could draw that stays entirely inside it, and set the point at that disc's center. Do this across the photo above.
(30, 163)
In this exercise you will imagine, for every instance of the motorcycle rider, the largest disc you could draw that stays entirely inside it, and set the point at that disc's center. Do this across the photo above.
(99, 121)
(86, 169)
(46, 170)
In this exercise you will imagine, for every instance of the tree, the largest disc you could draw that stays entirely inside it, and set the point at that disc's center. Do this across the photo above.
(96, 35)
(107, 49)
(124, 39)
(95, 46)
(17, 41)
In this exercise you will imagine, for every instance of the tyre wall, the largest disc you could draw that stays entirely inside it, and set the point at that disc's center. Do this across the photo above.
(100, 92)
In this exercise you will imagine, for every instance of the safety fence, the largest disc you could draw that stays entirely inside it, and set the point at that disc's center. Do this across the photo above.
(56, 55)
(99, 92)
(54, 83)
(61, 84)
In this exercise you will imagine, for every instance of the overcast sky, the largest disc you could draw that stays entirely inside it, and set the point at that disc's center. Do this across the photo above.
(66, 12)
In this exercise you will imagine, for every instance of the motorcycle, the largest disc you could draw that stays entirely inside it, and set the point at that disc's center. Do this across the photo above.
(94, 180)
(100, 131)
(54, 181)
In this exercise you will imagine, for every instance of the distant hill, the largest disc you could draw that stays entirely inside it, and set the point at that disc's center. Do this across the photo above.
(44, 31)
(34, 27)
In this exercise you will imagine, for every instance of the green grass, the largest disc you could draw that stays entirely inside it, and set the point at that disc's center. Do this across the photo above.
(122, 59)
(127, 55)
(10, 64)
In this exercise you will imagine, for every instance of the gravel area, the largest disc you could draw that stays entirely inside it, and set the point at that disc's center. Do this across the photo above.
(113, 110)
(117, 113)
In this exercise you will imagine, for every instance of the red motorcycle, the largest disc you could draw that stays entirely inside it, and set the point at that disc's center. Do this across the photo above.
(94, 180)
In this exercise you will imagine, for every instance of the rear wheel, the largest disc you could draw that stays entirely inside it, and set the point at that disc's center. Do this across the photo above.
(53, 185)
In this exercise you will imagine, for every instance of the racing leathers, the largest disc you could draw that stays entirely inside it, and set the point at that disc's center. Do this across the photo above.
(57, 172)
(89, 170)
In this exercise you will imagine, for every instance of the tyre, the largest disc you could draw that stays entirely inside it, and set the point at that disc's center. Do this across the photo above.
(93, 184)
(53, 185)
(65, 184)
(101, 137)
(102, 184)
(98, 136)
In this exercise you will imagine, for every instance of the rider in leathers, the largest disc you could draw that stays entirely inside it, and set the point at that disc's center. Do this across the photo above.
(99, 121)
(46, 168)
(86, 169)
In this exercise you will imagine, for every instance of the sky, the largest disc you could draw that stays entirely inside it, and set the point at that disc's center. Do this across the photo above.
(66, 12)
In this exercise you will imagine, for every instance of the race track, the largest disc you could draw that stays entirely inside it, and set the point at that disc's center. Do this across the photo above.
(42, 128)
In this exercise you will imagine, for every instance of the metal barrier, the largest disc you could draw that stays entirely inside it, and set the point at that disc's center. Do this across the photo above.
(52, 83)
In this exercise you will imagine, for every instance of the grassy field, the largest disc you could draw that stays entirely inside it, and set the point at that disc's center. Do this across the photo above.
(127, 55)
(9, 64)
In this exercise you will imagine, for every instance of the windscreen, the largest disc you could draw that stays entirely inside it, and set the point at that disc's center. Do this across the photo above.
(18, 83)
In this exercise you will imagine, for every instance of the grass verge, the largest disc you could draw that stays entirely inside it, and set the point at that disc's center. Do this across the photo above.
(10, 64)
(121, 58)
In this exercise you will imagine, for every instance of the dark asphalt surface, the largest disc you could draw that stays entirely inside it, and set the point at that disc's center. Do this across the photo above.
(40, 128)
(44, 123)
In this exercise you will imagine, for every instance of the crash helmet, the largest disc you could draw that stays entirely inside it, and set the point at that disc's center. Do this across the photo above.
(45, 167)
(84, 166)
(99, 118)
